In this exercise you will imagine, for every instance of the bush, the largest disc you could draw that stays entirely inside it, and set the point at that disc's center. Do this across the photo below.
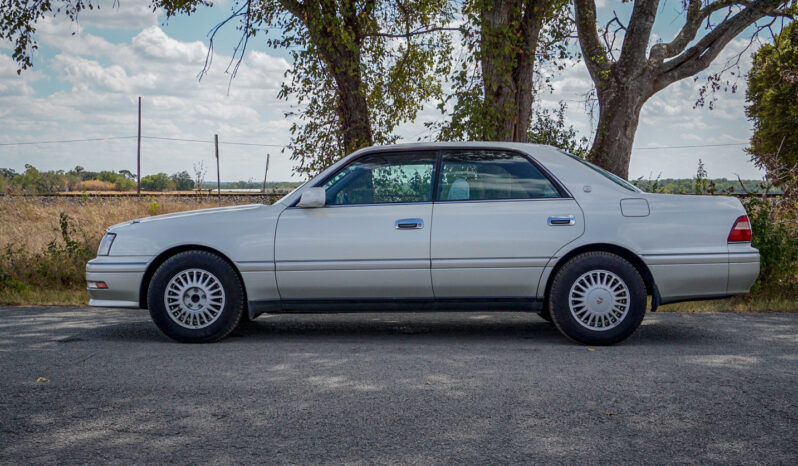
(61, 265)
(157, 182)
(776, 237)
(182, 181)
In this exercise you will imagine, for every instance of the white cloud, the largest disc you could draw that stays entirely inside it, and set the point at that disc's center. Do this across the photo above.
(103, 81)
(120, 14)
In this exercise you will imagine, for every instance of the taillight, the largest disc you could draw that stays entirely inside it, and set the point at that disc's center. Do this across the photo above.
(741, 231)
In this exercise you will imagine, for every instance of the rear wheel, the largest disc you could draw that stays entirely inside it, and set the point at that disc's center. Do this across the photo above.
(196, 297)
(597, 298)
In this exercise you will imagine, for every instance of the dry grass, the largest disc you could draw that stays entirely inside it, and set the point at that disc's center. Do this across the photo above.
(44, 297)
(97, 185)
(32, 222)
(736, 304)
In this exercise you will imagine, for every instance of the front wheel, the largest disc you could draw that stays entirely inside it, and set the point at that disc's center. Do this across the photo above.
(196, 297)
(597, 298)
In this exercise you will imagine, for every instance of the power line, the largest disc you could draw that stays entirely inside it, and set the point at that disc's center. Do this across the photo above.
(65, 141)
(686, 147)
(234, 143)
(211, 142)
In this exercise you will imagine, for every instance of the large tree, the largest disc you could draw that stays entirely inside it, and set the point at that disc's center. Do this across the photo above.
(359, 67)
(626, 80)
(772, 97)
(504, 41)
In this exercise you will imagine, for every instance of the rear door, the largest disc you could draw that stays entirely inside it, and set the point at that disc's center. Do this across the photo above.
(372, 238)
(497, 220)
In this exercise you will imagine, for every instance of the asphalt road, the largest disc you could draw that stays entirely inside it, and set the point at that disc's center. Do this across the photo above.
(396, 388)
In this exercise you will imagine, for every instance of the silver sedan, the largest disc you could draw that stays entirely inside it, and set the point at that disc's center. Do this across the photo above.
(427, 227)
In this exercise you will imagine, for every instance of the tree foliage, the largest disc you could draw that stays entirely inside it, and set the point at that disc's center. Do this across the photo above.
(549, 127)
(182, 181)
(157, 182)
(772, 98)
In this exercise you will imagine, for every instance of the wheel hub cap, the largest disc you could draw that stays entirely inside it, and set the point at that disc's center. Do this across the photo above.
(194, 298)
(599, 300)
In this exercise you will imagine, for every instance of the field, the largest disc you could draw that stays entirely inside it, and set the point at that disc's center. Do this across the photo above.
(46, 242)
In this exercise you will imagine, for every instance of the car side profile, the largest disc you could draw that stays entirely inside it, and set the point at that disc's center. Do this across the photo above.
(427, 227)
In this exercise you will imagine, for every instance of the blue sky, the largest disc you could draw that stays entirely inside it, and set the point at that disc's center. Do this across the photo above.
(86, 86)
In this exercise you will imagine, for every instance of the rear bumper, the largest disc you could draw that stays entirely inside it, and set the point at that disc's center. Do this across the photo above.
(743, 271)
(685, 277)
(122, 275)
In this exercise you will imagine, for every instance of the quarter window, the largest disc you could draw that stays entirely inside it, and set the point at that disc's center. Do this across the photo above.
(383, 179)
(485, 175)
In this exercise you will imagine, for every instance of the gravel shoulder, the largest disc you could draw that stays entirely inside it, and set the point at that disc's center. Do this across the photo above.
(419, 388)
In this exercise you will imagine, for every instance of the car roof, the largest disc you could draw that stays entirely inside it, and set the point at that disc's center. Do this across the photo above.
(543, 153)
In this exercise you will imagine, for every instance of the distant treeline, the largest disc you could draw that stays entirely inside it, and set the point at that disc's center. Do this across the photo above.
(701, 186)
(33, 181)
(252, 185)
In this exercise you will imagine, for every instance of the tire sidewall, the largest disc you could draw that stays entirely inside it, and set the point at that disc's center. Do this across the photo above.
(575, 268)
(234, 296)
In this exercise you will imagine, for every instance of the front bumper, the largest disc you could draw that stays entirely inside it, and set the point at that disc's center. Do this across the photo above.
(122, 275)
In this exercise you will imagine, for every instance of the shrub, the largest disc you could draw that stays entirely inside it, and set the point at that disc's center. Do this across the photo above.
(157, 182)
(776, 237)
(61, 265)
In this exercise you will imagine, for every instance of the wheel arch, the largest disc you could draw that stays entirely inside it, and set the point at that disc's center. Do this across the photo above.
(634, 259)
(165, 255)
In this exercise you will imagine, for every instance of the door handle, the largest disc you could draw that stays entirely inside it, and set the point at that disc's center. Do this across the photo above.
(409, 224)
(561, 220)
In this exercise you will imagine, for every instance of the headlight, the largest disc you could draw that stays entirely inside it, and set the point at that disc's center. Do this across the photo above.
(105, 244)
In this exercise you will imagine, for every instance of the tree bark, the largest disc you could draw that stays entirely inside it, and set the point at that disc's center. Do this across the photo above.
(508, 77)
(343, 61)
(353, 112)
(619, 112)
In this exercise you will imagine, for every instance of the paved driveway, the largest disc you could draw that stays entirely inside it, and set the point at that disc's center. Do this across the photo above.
(396, 388)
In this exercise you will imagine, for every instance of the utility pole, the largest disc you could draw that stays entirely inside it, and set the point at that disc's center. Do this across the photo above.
(264, 175)
(218, 177)
(138, 155)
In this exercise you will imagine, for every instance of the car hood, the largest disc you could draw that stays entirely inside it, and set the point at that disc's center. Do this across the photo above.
(188, 213)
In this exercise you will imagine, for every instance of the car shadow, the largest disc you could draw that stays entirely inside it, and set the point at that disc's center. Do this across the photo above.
(415, 327)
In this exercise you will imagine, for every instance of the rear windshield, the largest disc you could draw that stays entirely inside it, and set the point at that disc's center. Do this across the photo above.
(610, 176)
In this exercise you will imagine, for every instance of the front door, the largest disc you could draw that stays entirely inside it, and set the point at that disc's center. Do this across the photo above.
(372, 238)
(498, 219)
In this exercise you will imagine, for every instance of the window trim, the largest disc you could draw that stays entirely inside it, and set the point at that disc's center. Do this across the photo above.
(434, 152)
(561, 189)
(558, 185)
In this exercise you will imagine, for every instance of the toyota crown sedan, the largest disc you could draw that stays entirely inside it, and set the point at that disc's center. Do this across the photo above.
(430, 227)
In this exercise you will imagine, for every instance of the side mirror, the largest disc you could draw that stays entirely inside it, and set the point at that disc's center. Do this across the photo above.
(313, 197)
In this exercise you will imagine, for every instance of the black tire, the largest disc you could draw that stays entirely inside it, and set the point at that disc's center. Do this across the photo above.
(621, 327)
(233, 292)
(545, 313)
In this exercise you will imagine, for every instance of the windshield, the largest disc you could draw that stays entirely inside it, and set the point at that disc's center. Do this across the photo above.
(610, 176)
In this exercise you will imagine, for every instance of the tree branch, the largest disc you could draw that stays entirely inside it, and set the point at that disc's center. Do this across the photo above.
(408, 34)
(595, 55)
(695, 17)
(700, 56)
(635, 41)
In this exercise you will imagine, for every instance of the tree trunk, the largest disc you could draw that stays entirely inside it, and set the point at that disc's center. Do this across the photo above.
(353, 112)
(620, 103)
(507, 74)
